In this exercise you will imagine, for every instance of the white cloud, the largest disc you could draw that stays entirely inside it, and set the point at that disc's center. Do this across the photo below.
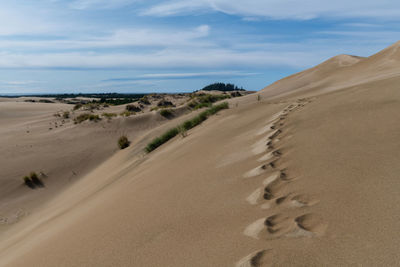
(184, 75)
(281, 9)
(100, 4)
(143, 37)
(165, 59)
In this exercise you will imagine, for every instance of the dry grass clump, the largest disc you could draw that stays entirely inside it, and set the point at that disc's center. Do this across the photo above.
(123, 142)
(166, 113)
(127, 113)
(33, 181)
(109, 116)
(87, 116)
(132, 108)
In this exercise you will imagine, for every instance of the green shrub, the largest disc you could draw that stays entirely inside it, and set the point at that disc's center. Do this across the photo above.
(35, 179)
(66, 115)
(28, 182)
(166, 113)
(156, 142)
(144, 100)
(132, 108)
(77, 106)
(127, 113)
(109, 115)
(123, 142)
(187, 125)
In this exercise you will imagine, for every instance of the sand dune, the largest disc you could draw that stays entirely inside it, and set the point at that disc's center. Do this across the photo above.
(322, 184)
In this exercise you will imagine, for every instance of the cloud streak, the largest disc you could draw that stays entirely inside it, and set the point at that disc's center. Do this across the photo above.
(281, 9)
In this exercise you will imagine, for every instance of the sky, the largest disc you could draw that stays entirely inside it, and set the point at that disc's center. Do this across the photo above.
(144, 46)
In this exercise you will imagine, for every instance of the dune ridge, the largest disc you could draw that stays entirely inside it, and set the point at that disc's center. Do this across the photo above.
(300, 176)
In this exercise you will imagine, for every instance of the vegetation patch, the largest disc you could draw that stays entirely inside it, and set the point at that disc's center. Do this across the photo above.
(123, 142)
(166, 113)
(33, 181)
(132, 108)
(66, 115)
(144, 100)
(109, 115)
(187, 125)
(87, 116)
(206, 100)
(165, 104)
(222, 87)
(127, 113)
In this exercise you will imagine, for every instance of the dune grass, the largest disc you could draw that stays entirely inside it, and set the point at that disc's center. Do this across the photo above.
(86, 116)
(166, 113)
(33, 181)
(123, 142)
(187, 125)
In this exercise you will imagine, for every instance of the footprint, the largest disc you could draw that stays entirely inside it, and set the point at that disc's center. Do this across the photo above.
(255, 196)
(254, 229)
(271, 178)
(308, 225)
(255, 259)
(299, 201)
(274, 134)
(266, 157)
(272, 189)
(266, 128)
(256, 171)
(278, 225)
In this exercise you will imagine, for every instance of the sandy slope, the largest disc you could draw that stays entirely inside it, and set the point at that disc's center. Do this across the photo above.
(291, 182)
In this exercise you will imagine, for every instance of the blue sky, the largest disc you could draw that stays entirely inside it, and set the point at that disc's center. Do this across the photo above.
(58, 46)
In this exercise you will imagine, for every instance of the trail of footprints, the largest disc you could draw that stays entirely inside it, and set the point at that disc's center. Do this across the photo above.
(268, 195)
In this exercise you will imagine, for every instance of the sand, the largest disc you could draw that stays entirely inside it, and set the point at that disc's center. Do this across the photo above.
(329, 185)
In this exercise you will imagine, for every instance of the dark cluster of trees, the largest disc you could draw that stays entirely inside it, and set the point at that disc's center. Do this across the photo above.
(222, 87)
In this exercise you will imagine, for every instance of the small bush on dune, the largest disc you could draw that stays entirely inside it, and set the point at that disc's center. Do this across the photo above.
(144, 100)
(127, 113)
(109, 115)
(66, 115)
(77, 106)
(166, 113)
(132, 108)
(87, 116)
(28, 182)
(33, 181)
(123, 142)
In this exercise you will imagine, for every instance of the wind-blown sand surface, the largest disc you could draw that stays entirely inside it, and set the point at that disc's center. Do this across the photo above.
(328, 170)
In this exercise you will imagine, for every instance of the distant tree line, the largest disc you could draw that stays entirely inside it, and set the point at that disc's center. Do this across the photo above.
(222, 87)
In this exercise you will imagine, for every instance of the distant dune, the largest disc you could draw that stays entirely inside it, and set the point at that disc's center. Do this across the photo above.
(303, 173)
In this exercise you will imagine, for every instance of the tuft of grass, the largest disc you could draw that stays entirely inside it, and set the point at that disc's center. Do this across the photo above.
(184, 127)
(127, 113)
(166, 113)
(144, 100)
(109, 115)
(28, 182)
(87, 116)
(66, 115)
(123, 142)
(158, 141)
(206, 100)
(78, 106)
(132, 108)
(33, 181)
